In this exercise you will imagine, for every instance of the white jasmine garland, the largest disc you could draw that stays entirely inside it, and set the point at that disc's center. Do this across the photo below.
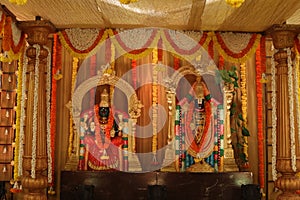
(274, 118)
(22, 116)
(35, 110)
(291, 109)
(48, 131)
(297, 94)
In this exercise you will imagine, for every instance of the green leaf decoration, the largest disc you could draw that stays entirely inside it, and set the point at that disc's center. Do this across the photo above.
(240, 116)
(232, 130)
(243, 156)
(239, 145)
(245, 131)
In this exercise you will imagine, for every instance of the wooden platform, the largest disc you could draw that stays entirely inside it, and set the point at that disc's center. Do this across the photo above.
(153, 185)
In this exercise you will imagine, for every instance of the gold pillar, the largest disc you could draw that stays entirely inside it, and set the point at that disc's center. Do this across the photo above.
(37, 34)
(283, 37)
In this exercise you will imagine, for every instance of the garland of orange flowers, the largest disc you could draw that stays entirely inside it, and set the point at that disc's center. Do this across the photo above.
(243, 55)
(136, 53)
(7, 34)
(3, 16)
(260, 135)
(134, 77)
(56, 64)
(82, 53)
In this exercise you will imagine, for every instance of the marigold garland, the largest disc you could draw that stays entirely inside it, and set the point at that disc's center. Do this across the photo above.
(154, 102)
(12, 51)
(260, 134)
(7, 34)
(56, 64)
(18, 118)
(18, 2)
(74, 75)
(83, 53)
(136, 53)
(3, 16)
(236, 57)
(244, 98)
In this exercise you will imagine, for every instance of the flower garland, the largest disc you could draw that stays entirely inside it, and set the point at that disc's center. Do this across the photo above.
(183, 45)
(48, 118)
(291, 109)
(13, 40)
(154, 103)
(297, 93)
(243, 82)
(18, 146)
(35, 110)
(130, 48)
(274, 117)
(18, 2)
(238, 55)
(88, 42)
(3, 16)
(133, 71)
(56, 65)
(74, 75)
(260, 131)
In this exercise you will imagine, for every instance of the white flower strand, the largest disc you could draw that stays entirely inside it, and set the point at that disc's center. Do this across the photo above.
(274, 118)
(22, 116)
(297, 94)
(291, 109)
(35, 110)
(48, 90)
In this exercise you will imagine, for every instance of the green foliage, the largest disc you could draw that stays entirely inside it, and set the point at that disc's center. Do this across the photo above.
(231, 77)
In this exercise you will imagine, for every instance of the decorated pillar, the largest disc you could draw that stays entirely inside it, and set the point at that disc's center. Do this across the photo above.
(34, 179)
(287, 144)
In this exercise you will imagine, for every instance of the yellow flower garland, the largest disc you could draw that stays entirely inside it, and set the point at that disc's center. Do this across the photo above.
(74, 75)
(18, 116)
(154, 100)
(18, 2)
(244, 104)
(229, 58)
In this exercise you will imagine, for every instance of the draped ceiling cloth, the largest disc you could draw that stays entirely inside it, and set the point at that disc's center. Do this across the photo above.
(209, 15)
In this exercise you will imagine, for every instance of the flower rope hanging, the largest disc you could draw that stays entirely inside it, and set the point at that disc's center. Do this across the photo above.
(20, 117)
(260, 132)
(274, 117)
(35, 110)
(48, 118)
(82, 42)
(154, 103)
(244, 106)
(74, 75)
(236, 47)
(136, 43)
(13, 40)
(291, 109)
(184, 45)
(297, 93)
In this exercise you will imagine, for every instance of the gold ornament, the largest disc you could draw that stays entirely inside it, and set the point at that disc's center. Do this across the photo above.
(235, 3)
